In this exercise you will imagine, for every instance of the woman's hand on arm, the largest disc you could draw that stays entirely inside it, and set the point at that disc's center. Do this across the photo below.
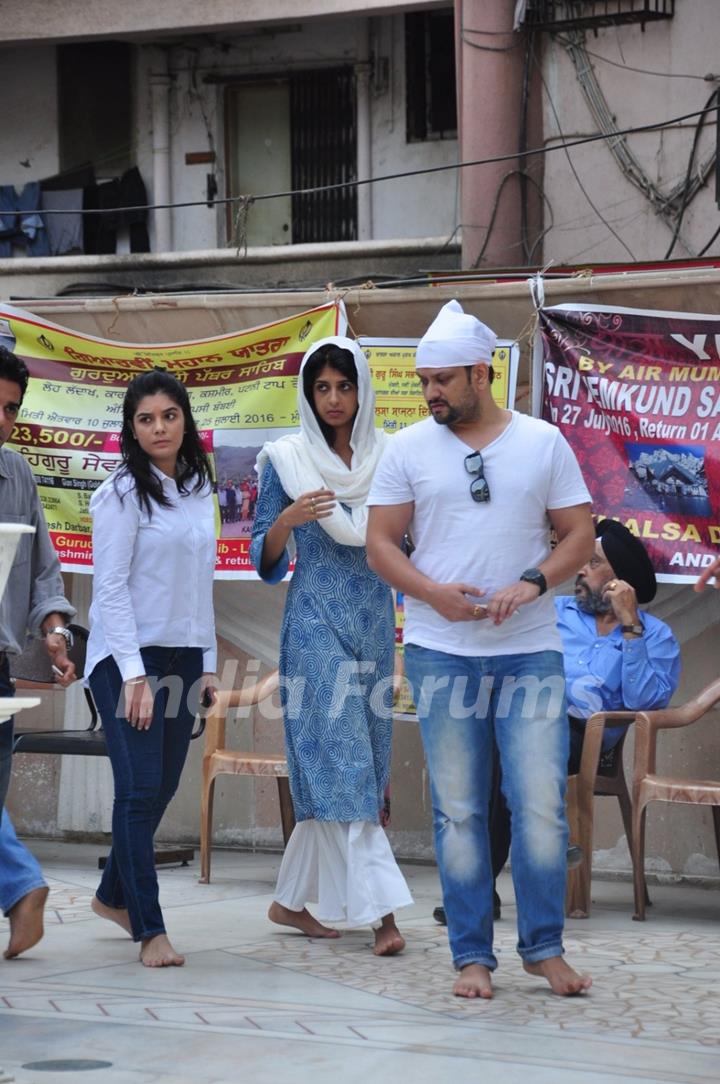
(316, 504)
(707, 574)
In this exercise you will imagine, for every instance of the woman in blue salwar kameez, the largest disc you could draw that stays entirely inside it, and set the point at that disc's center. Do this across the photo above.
(336, 652)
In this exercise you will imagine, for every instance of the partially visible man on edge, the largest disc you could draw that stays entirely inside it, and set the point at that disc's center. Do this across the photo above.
(704, 579)
(34, 601)
(478, 488)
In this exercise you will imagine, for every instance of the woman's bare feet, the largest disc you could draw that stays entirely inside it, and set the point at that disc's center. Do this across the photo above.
(113, 914)
(26, 922)
(158, 952)
(388, 939)
(300, 920)
(563, 980)
(474, 981)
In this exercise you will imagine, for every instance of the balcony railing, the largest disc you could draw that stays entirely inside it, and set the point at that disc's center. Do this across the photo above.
(592, 14)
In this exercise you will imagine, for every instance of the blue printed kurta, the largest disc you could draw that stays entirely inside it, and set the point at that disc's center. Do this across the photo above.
(336, 665)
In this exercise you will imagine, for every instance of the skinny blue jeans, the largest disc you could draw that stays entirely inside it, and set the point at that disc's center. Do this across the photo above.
(146, 765)
(461, 703)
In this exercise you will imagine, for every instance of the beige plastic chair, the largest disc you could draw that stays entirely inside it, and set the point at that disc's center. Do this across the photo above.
(219, 760)
(650, 787)
(582, 789)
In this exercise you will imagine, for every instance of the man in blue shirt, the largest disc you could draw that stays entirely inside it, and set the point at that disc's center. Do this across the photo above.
(615, 656)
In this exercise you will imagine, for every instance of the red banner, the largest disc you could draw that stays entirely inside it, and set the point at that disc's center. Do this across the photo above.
(637, 395)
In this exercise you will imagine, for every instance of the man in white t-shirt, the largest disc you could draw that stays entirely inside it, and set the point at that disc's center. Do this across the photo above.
(478, 488)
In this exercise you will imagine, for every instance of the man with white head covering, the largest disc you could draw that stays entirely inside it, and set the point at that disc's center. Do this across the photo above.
(478, 488)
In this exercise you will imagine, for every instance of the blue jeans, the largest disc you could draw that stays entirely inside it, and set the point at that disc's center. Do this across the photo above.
(6, 734)
(19, 870)
(146, 766)
(461, 703)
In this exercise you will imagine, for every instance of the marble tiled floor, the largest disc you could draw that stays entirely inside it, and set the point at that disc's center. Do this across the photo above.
(258, 1004)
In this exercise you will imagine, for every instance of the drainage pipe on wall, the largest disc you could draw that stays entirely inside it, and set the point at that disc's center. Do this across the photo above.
(364, 133)
(160, 96)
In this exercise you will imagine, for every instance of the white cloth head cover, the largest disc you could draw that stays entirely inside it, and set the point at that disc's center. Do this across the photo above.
(454, 338)
(304, 461)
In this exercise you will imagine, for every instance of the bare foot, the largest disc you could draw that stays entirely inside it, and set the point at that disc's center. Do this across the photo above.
(300, 920)
(563, 980)
(26, 922)
(158, 952)
(388, 939)
(114, 914)
(474, 981)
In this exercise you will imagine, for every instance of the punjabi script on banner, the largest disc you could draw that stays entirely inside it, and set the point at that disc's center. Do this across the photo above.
(242, 390)
(637, 395)
(398, 398)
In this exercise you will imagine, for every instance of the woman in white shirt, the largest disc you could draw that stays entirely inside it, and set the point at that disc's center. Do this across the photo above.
(151, 651)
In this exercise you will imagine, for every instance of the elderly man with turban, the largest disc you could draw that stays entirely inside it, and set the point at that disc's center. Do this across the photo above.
(478, 489)
(616, 655)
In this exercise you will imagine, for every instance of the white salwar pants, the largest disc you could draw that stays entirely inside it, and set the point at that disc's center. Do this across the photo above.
(347, 868)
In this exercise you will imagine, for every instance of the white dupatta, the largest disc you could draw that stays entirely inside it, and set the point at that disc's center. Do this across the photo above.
(304, 461)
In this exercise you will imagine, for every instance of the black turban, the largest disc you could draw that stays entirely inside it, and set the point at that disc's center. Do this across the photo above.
(628, 558)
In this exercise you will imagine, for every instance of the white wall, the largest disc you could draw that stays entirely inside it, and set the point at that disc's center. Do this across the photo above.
(50, 20)
(28, 133)
(424, 206)
(417, 207)
(683, 46)
(413, 207)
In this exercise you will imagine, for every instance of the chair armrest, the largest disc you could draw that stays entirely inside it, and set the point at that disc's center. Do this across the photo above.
(649, 723)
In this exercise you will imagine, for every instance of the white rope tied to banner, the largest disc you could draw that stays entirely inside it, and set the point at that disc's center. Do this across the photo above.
(536, 285)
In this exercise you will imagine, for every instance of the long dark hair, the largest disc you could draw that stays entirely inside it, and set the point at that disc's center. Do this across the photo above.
(342, 362)
(192, 462)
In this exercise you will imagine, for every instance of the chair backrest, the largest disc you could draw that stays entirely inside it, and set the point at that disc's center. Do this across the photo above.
(34, 664)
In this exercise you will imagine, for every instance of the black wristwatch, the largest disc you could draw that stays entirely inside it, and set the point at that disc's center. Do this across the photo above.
(534, 575)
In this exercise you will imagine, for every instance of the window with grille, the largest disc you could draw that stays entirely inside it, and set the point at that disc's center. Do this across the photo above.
(430, 75)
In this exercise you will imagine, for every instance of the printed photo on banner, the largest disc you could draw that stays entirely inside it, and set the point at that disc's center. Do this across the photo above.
(637, 394)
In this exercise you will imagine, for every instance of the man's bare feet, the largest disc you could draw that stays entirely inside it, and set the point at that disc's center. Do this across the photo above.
(113, 914)
(388, 939)
(158, 952)
(300, 920)
(26, 922)
(474, 981)
(563, 980)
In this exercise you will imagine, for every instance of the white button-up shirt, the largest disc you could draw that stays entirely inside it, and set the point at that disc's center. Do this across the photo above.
(153, 575)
